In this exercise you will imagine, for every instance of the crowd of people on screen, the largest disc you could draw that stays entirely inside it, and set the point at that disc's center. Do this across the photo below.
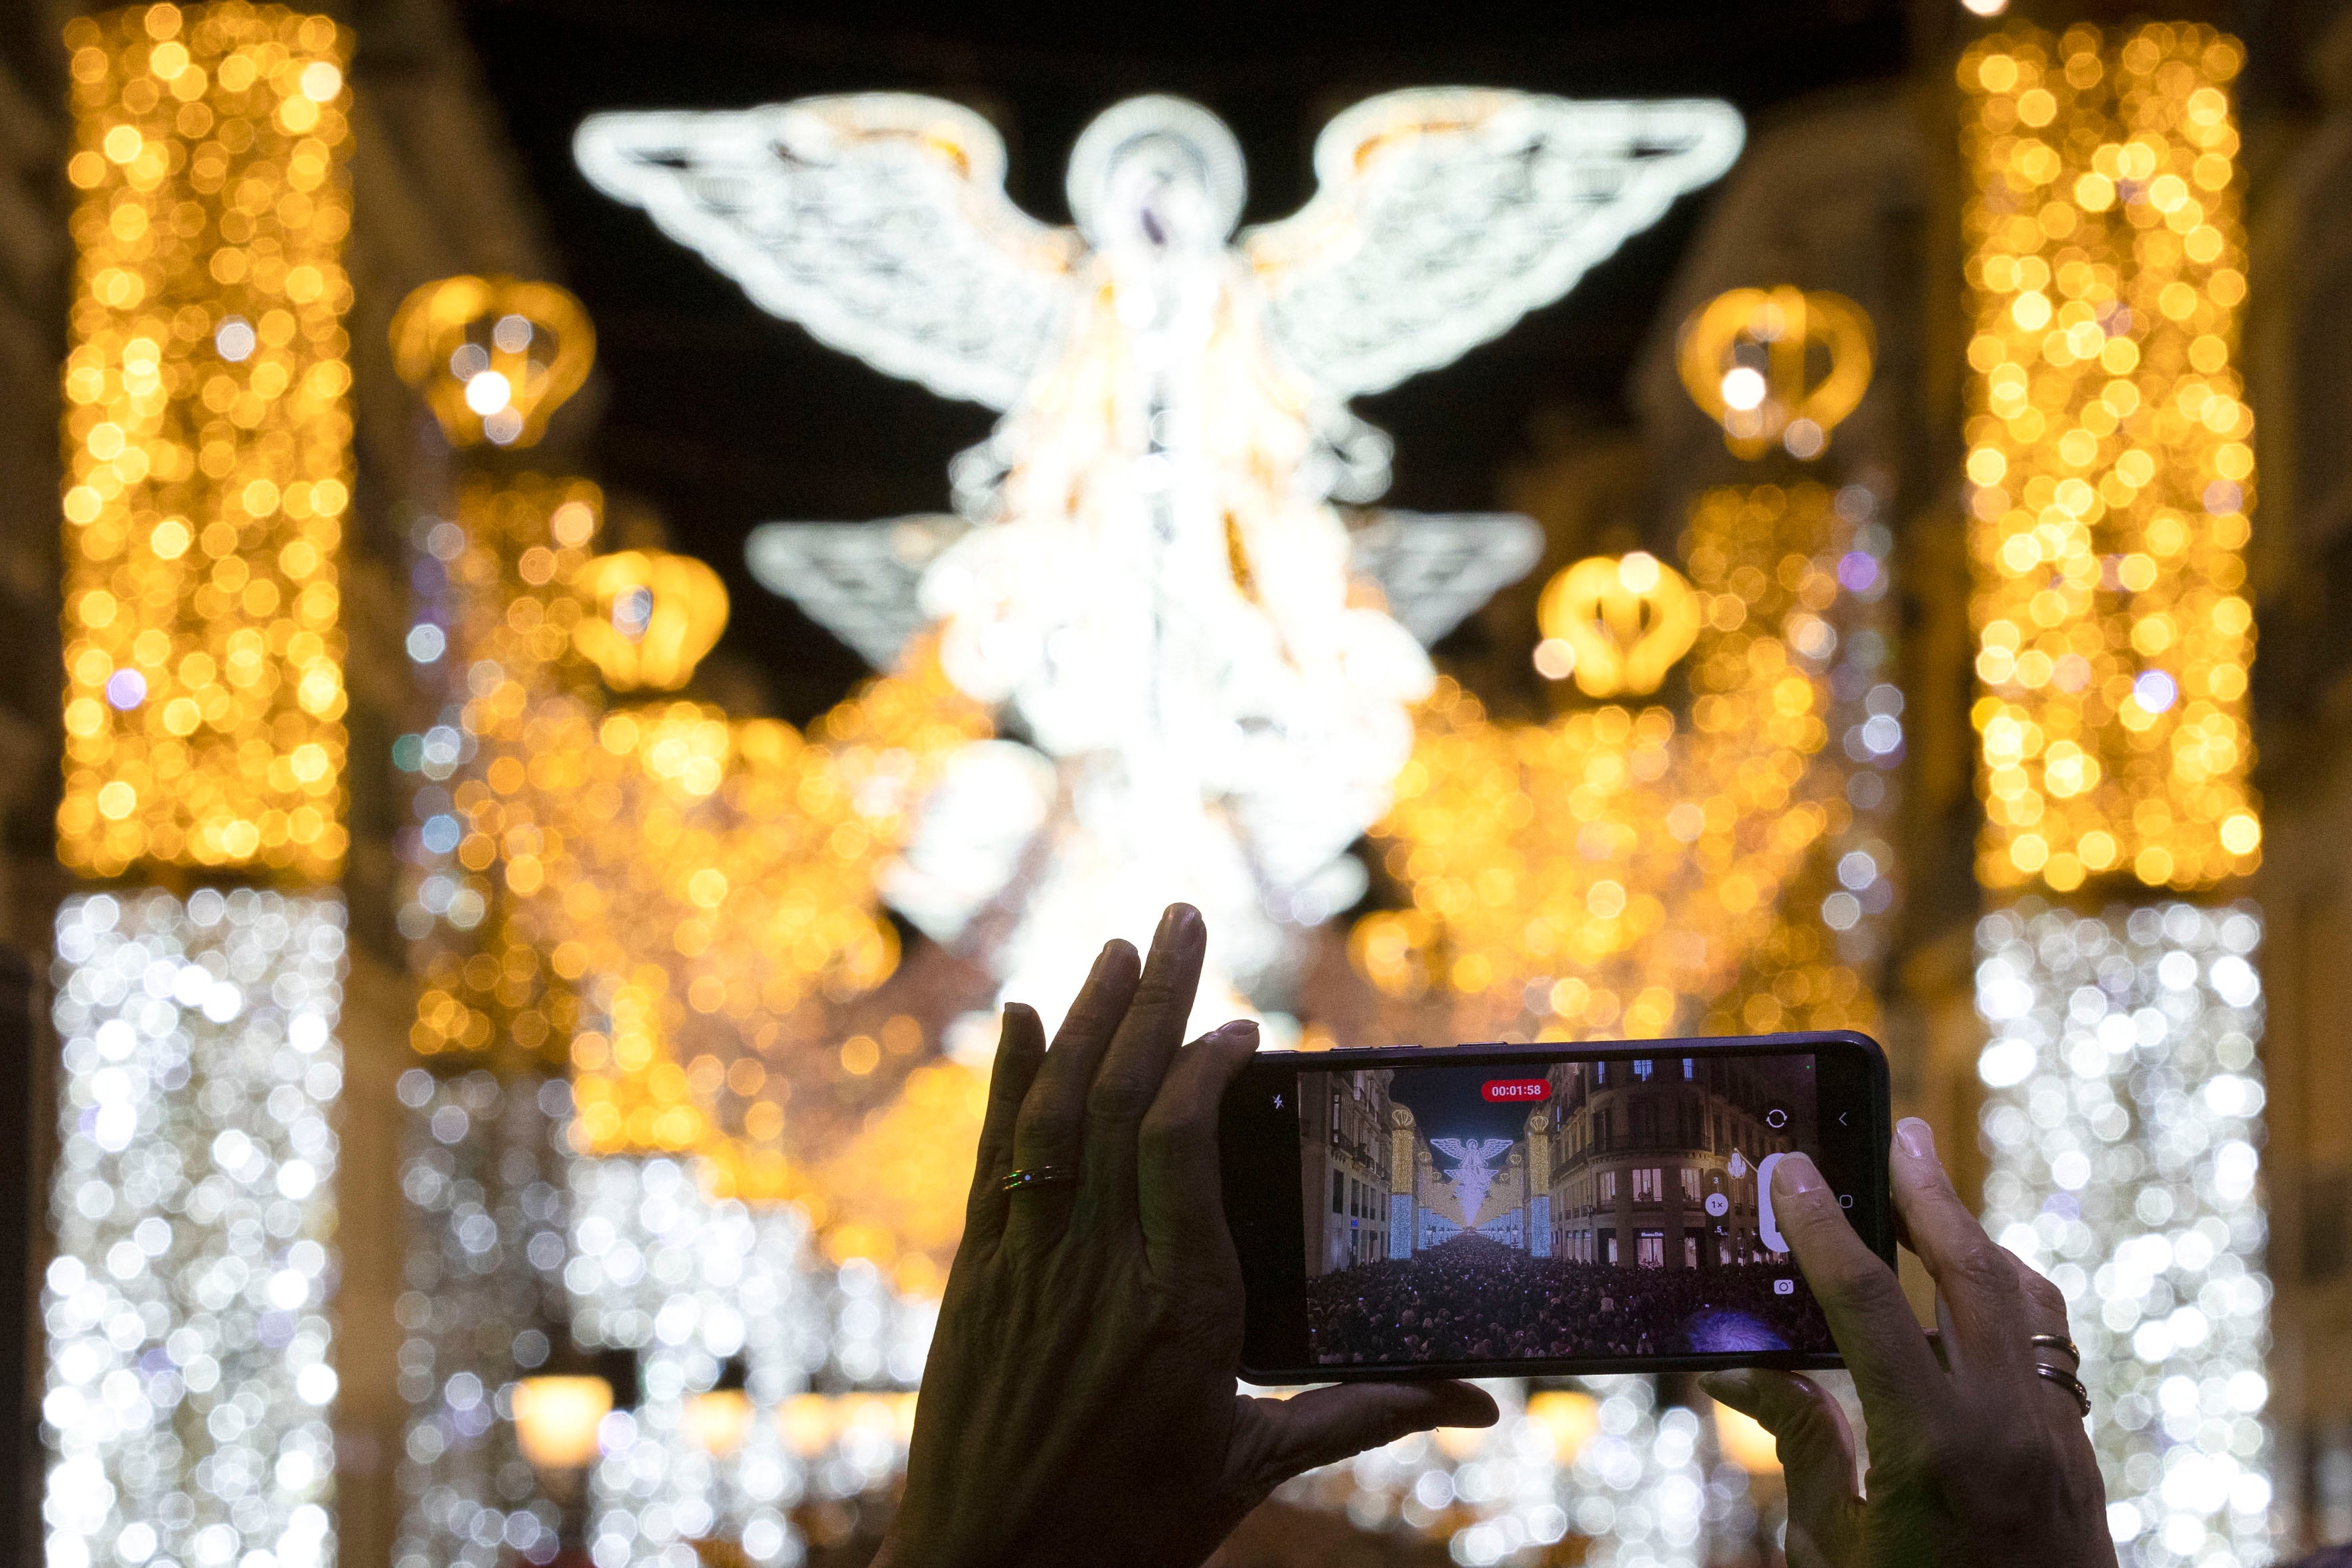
(1473, 1299)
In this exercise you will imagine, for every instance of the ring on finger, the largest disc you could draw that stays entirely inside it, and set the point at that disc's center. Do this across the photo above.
(2067, 1381)
(1036, 1176)
(2059, 1342)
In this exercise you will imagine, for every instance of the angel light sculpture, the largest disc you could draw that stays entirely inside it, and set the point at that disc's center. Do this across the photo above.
(1474, 1170)
(1148, 569)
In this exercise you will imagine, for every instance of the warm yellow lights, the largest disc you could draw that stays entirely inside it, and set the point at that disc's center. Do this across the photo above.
(557, 1418)
(1746, 359)
(1567, 1418)
(207, 441)
(2110, 458)
(494, 357)
(1615, 625)
(655, 615)
(718, 1420)
(1605, 872)
(1745, 1442)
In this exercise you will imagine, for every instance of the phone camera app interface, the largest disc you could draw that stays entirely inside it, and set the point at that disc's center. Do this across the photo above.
(1613, 1206)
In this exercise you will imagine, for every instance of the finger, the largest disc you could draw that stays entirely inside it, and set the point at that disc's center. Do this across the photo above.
(1324, 1426)
(1894, 1371)
(1051, 1127)
(1020, 1049)
(1146, 1041)
(1179, 1187)
(1975, 1276)
(2045, 1313)
(1816, 1450)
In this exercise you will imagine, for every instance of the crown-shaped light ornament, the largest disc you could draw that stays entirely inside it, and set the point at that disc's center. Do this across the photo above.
(1616, 624)
(1777, 366)
(493, 357)
(653, 616)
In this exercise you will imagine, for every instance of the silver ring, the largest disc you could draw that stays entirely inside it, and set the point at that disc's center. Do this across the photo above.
(2059, 1342)
(2067, 1381)
(1036, 1176)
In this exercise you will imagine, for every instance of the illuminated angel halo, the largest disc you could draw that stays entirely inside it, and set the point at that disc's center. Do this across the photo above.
(1149, 571)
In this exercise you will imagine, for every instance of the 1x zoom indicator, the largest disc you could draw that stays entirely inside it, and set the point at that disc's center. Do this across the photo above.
(1517, 1089)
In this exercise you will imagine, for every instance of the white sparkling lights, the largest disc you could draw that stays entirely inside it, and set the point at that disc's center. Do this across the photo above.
(189, 1374)
(2123, 1126)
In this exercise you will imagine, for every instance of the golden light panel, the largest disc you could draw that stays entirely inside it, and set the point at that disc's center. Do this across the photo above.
(1599, 872)
(704, 878)
(207, 441)
(2110, 457)
(1747, 359)
(494, 357)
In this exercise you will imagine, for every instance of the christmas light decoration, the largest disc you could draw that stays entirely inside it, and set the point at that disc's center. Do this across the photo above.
(2124, 1129)
(189, 1365)
(2110, 457)
(2111, 475)
(484, 1175)
(207, 478)
(1610, 873)
(494, 357)
(689, 1284)
(1157, 583)
(208, 462)
(1744, 360)
(1615, 626)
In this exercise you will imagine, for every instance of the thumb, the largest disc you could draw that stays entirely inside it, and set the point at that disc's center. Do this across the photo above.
(1816, 1451)
(1326, 1425)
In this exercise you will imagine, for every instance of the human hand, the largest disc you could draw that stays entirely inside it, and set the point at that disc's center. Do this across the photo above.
(1975, 1459)
(1079, 1405)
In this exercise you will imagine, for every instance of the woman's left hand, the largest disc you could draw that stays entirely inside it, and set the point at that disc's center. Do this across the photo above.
(1079, 1405)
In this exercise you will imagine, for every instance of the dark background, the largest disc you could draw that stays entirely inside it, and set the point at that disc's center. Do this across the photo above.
(720, 417)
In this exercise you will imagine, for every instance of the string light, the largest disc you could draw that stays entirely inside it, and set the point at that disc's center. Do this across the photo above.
(2111, 475)
(207, 441)
(2109, 460)
(2123, 1124)
(483, 1173)
(189, 1349)
(1602, 873)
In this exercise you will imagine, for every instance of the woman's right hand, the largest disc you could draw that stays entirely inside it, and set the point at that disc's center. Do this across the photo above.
(1976, 1460)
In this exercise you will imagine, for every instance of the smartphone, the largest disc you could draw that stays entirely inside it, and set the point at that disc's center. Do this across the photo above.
(1493, 1210)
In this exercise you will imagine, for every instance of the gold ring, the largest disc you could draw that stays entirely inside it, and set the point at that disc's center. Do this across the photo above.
(1036, 1176)
(2067, 1381)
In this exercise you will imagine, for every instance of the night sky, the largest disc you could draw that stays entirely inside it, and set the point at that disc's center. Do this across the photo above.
(720, 417)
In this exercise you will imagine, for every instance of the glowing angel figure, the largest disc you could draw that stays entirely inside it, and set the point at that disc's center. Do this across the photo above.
(1148, 569)
(1474, 1170)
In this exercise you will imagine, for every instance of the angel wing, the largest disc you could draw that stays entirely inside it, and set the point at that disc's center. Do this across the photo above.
(1436, 568)
(878, 221)
(857, 580)
(1444, 215)
(1450, 1147)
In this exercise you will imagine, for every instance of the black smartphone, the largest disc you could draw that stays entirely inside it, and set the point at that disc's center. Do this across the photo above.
(1515, 1210)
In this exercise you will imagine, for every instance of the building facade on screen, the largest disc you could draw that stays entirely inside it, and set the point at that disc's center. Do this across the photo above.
(1641, 1161)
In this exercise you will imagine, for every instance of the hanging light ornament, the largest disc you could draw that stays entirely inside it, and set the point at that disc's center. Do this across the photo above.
(494, 357)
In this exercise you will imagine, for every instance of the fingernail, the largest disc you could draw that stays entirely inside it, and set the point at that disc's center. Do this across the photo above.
(1796, 1176)
(1240, 1029)
(1728, 1386)
(1177, 918)
(1918, 1139)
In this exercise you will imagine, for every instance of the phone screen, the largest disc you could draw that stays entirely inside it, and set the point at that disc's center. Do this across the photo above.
(1587, 1205)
